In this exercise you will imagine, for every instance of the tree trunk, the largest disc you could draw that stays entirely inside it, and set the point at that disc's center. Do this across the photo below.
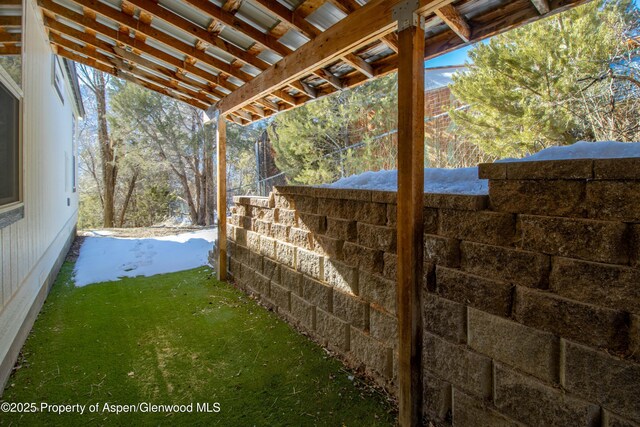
(107, 155)
(125, 205)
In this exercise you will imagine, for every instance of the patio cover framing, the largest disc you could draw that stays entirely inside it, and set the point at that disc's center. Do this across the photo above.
(236, 59)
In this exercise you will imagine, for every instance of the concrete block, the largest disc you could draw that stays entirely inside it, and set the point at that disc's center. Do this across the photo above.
(281, 296)
(307, 204)
(312, 222)
(463, 202)
(602, 378)
(620, 169)
(607, 285)
(284, 201)
(390, 266)
(304, 312)
(351, 309)
(445, 318)
(328, 246)
(591, 240)
(336, 331)
(587, 324)
(377, 237)
(571, 169)
(539, 197)
(378, 290)
(261, 284)
(383, 326)
(317, 293)
(436, 398)
(286, 217)
(268, 247)
(531, 351)
(614, 200)
(362, 257)
(286, 254)
(505, 264)
(262, 227)
(441, 251)
(533, 403)
(300, 238)
(310, 263)
(253, 241)
(280, 232)
(468, 411)
(484, 294)
(371, 213)
(271, 270)
(341, 276)
(343, 229)
(493, 228)
(456, 364)
(374, 354)
(291, 279)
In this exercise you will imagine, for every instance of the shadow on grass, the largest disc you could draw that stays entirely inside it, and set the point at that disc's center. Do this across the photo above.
(180, 338)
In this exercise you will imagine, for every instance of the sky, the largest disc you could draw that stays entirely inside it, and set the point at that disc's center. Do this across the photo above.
(457, 57)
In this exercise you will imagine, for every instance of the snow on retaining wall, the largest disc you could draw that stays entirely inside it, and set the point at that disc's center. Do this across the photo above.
(531, 309)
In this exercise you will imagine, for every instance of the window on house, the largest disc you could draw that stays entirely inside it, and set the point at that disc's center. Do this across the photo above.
(9, 145)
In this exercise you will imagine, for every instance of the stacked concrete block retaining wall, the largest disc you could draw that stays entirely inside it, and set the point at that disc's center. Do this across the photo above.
(531, 300)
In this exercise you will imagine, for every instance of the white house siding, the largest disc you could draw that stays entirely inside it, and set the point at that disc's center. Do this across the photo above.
(32, 247)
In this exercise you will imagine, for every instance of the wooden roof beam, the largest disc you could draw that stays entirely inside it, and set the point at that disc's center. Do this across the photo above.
(132, 57)
(92, 26)
(368, 23)
(10, 49)
(217, 13)
(149, 31)
(305, 89)
(128, 72)
(10, 21)
(202, 34)
(293, 19)
(232, 6)
(359, 64)
(69, 54)
(456, 21)
(10, 38)
(329, 77)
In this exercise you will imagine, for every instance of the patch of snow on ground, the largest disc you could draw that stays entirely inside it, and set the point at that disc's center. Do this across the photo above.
(100, 232)
(466, 181)
(104, 259)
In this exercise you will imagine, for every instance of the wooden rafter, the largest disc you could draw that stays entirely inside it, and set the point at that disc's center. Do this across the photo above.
(455, 21)
(10, 50)
(99, 65)
(137, 26)
(92, 26)
(203, 35)
(10, 21)
(361, 27)
(124, 55)
(10, 38)
(229, 19)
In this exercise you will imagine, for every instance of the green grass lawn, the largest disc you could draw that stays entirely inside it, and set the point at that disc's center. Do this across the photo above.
(180, 338)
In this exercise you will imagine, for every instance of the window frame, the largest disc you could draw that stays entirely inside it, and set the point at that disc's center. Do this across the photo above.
(14, 211)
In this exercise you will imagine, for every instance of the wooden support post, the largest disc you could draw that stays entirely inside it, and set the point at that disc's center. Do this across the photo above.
(410, 204)
(221, 209)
